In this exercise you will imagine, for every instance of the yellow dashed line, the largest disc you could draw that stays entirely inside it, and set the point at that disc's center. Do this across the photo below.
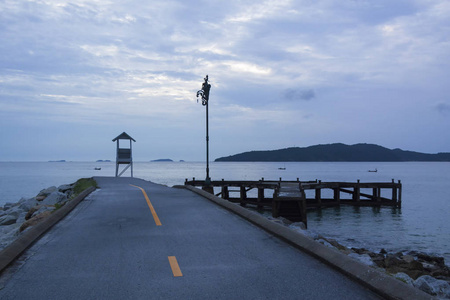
(175, 268)
(155, 216)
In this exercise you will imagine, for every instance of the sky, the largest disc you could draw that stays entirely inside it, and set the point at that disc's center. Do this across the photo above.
(76, 74)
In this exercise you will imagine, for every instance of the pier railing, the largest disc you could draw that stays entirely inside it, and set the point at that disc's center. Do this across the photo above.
(291, 199)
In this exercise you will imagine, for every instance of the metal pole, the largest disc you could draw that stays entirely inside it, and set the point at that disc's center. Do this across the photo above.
(207, 180)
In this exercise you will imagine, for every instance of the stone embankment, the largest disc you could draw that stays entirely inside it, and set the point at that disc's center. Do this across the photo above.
(426, 272)
(15, 218)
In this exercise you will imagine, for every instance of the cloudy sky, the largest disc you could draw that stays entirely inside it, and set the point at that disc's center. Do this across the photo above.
(74, 75)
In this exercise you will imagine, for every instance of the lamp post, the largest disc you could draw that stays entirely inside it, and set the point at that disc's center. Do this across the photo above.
(204, 94)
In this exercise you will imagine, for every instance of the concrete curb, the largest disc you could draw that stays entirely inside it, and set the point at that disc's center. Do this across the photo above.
(10, 253)
(382, 284)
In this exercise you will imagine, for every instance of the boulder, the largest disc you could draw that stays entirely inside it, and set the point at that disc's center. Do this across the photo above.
(363, 258)
(21, 217)
(433, 286)
(41, 209)
(65, 188)
(35, 220)
(27, 204)
(8, 219)
(31, 212)
(8, 234)
(54, 197)
(405, 278)
(8, 205)
(47, 191)
(15, 211)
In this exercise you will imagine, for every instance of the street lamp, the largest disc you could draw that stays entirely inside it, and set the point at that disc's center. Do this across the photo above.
(204, 94)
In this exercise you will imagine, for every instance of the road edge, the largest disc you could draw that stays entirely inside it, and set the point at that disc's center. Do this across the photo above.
(16, 248)
(384, 285)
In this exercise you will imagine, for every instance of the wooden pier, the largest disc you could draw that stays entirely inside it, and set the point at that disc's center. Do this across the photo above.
(291, 199)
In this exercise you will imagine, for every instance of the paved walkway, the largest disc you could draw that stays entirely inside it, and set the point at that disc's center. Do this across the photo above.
(111, 247)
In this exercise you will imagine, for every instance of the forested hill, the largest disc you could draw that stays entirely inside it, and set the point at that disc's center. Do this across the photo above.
(337, 152)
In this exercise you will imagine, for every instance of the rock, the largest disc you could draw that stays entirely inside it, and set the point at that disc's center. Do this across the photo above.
(41, 209)
(364, 258)
(21, 217)
(408, 258)
(383, 251)
(35, 220)
(14, 211)
(27, 204)
(47, 191)
(8, 234)
(378, 260)
(405, 278)
(40, 198)
(326, 243)
(31, 212)
(54, 197)
(8, 205)
(433, 286)
(415, 265)
(337, 245)
(8, 220)
(360, 250)
(392, 260)
(65, 187)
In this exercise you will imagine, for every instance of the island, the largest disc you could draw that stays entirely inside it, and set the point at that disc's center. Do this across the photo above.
(162, 160)
(101, 160)
(334, 153)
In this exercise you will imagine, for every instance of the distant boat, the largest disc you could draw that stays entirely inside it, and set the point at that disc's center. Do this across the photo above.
(374, 171)
(281, 168)
(97, 169)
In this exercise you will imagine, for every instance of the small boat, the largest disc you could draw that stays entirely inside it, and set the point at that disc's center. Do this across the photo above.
(281, 168)
(373, 171)
(97, 169)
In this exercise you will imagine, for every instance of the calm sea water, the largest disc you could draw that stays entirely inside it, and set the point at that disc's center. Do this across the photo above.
(422, 224)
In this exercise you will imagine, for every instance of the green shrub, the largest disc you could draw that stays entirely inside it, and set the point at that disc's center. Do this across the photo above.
(83, 184)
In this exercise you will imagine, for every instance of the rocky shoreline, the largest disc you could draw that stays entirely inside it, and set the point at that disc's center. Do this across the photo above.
(16, 218)
(426, 272)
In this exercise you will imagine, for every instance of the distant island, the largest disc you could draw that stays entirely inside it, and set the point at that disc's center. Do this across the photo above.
(336, 152)
(162, 160)
(62, 160)
(101, 160)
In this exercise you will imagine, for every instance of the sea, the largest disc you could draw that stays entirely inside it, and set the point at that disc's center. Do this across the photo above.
(422, 224)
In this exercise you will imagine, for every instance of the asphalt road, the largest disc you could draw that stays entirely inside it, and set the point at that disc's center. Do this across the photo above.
(110, 247)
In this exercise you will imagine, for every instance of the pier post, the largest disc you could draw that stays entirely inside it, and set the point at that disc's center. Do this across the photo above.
(243, 198)
(319, 197)
(375, 195)
(260, 197)
(337, 195)
(357, 192)
(225, 192)
(275, 205)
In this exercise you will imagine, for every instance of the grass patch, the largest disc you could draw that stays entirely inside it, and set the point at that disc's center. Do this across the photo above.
(83, 184)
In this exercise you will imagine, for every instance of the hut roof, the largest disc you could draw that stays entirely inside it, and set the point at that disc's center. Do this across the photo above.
(123, 136)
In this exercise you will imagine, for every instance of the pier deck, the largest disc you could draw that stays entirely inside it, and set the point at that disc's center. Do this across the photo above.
(112, 247)
(291, 199)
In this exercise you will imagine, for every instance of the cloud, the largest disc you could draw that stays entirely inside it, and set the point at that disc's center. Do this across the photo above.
(142, 63)
(443, 108)
(299, 94)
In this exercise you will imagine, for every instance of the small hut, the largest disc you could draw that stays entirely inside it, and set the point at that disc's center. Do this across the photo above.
(124, 153)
